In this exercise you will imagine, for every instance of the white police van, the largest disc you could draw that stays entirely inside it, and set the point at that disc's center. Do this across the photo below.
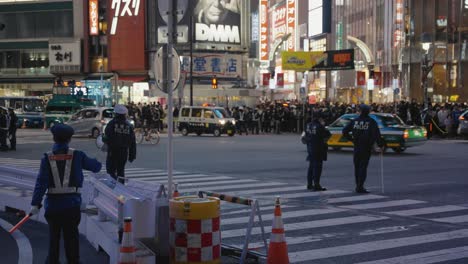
(205, 120)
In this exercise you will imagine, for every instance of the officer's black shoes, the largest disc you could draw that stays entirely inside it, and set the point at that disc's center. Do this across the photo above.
(362, 191)
(319, 188)
(310, 187)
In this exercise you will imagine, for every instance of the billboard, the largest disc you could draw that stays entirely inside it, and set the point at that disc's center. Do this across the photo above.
(264, 30)
(93, 18)
(217, 21)
(330, 60)
(209, 64)
(127, 35)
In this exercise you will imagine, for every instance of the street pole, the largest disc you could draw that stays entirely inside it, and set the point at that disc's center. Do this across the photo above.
(192, 39)
(171, 30)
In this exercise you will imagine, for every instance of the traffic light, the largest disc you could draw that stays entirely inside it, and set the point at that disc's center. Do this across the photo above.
(214, 83)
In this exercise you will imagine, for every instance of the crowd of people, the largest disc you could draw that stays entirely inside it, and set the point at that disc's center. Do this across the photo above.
(278, 117)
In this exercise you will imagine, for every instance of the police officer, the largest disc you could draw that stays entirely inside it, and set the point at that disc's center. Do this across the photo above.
(365, 133)
(12, 129)
(61, 175)
(316, 137)
(120, 138)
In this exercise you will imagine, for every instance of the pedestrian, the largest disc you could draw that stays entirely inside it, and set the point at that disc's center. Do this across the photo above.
(4, 127)
(365, 133)
(12, 128)
(120, 139)
(316, 137)
(61, 176)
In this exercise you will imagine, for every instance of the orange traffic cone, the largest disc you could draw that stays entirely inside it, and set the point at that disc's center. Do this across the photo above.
(127, 248)
(23, 126)
(176, 191)
(277, 249)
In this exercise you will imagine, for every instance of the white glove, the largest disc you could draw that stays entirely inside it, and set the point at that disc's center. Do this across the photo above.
(34, 210)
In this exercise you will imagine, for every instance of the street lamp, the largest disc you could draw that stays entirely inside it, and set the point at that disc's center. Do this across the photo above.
(426, 65)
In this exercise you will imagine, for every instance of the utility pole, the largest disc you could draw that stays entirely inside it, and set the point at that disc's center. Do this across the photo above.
(425, 70)
(169, 82)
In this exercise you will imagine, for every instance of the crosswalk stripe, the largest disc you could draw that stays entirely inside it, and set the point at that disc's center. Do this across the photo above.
(382, 204)
(154, 174)
(290, 214)
(233, 187)
(273, 190)
(428, 210)
(201, 183)
(306, 194)
(426, 257)
(355, 198)
(161, 178)
(452, 219)
(358, 248)
(309, 225)
(248, 210)
(197, 180)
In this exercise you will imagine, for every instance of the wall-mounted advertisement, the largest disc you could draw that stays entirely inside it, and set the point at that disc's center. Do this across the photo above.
(93, 18)
(218, 21)
(127, 35)
(182, 23)
(291, 20)
(278, 25)
(263, 30)
(65, 57)
(210, 64)
(330, 60)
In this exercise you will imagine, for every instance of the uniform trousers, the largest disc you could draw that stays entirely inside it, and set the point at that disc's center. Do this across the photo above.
(115, 163)
(314, 172)
(65, 221)
(361, 161)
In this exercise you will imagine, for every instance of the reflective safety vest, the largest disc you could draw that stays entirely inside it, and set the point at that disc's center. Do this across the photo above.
(61, 187)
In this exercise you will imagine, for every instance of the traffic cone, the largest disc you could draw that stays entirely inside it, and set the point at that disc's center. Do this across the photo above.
(277, 249)
(127, 248)
(176, 191)
(23, 126)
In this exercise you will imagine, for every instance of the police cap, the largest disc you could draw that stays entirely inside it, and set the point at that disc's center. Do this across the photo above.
(62, 133)
(365, 109)
(120, 109)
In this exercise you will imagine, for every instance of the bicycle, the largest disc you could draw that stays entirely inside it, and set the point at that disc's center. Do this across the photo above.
(151, 135)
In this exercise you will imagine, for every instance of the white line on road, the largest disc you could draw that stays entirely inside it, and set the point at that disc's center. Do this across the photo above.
(273, 190)
(382, 204)
(247, 210)
(309, 225)
(452, 219)
(355, 198)
(201, 183)
(305, 194)
(289, 214)
(426, 257)
(161, 178)
(25, 253)
(233, 187)
(358, 248)
(194, 181)
(428, 210)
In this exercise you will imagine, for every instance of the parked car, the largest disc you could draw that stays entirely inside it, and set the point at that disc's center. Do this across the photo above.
(91, 121)
(463, 126)
(396, 134)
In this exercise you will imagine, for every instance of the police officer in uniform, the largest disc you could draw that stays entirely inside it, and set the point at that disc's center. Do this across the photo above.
(4, 126)
(12, 129)
(61, 176)
(120, 139)
(316, 137)
(365, 133)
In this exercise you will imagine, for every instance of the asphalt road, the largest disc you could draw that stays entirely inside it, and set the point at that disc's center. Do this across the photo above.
(423, 214)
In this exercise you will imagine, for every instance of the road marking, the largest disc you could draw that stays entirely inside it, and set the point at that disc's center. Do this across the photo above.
(201, 183)
(382, 204)
(355, 198)
(305, 194)
(428, 210)
(25, 253)
(309, 225)
(247, 210)
(207, 179)
(233, 187)
(286, 215)
(452, 219)
(426, 257)
(358, 248)
(273, 190)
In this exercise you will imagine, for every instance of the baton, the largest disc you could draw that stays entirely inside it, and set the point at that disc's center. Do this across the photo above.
(381, 171)
(20, 223)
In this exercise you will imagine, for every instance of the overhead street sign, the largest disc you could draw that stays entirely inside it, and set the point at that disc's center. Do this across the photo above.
(330, 60)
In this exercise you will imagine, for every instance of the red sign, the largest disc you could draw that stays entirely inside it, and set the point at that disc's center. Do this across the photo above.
(361, 78)
(279, 26)
(280, 79)
(291, 20)
(93, 18)
(265, 79)
(127, 36)
(378, 78)
(264, 30)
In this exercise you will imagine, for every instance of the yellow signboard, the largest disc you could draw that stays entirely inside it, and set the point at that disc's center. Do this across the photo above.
(301, 60)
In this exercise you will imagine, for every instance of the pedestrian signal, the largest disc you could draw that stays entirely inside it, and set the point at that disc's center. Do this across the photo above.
(214, 83)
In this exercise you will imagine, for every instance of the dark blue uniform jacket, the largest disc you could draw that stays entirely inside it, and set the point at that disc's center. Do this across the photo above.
(57, 202)
(317, 136)
(365, 133)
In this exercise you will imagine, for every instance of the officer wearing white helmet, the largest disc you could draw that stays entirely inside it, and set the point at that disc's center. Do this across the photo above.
(120, 139)
(60, 179)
